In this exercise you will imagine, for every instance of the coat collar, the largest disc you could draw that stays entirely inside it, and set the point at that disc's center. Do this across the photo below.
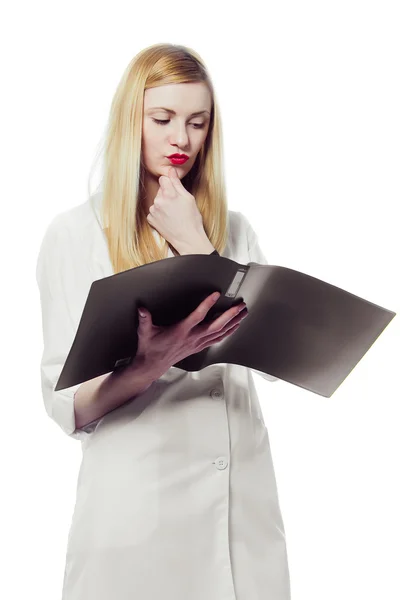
(95, 203)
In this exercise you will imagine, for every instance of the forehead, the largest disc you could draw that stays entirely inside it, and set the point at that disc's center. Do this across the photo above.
(180, 97)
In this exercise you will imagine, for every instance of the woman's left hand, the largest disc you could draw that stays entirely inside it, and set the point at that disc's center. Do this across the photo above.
(174, 213)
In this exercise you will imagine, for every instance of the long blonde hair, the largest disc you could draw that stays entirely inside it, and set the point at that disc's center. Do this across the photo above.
(128, 233)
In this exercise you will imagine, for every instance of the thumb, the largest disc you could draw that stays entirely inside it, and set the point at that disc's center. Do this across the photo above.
(144, 317)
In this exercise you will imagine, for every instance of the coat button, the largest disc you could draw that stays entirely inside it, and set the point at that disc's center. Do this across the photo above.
(216, 393)
(221, 463)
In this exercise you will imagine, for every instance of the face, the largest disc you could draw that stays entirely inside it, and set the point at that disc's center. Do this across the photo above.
(178, 130)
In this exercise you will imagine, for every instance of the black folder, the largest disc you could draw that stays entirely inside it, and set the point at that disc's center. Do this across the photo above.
(299, 329)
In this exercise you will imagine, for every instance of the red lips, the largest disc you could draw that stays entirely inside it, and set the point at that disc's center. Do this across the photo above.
(185, 156)
(178, 159)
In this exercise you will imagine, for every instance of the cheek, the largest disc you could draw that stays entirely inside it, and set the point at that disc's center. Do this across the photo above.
(150, 135)
(150, 143)
(204, 135)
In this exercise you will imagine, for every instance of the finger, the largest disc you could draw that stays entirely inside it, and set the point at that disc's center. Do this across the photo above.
(174, 179)
(219, 326)
(167, 185)
(163, 181)
(238, 318)
(225, 317)
(210, 340)
(173, 173)
(199, 313)
(145, 321)
(227, 331)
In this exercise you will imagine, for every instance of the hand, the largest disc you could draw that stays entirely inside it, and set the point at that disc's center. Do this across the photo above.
(174, 213)
(161, 347)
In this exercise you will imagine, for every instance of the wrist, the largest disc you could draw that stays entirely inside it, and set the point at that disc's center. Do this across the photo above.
(145, 371)
(199, 244)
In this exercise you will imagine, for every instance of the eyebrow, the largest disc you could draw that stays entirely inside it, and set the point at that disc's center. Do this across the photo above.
(200, 112)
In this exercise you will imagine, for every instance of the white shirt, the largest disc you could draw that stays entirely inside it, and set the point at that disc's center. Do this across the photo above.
(176, 496)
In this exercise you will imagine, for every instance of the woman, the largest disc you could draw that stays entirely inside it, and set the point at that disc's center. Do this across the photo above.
(176, 494)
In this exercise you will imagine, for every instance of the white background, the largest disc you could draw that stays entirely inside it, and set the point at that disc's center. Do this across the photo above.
(309, 95)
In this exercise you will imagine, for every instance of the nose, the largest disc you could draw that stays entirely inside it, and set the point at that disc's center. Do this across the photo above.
(180, 137)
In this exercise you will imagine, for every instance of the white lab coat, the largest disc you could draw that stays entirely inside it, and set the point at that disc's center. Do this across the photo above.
(176, 496)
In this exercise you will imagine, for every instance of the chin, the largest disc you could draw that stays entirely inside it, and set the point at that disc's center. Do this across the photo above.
(180, 170)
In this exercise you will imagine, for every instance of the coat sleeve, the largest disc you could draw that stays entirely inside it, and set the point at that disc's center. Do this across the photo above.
(53, 275)
(256, 255)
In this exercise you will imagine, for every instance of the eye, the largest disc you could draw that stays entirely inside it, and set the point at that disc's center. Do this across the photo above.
(164, 122)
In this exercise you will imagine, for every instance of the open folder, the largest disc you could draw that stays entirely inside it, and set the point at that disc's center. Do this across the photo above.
(299, 329)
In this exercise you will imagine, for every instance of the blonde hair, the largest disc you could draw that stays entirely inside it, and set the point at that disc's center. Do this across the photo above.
(128, 233)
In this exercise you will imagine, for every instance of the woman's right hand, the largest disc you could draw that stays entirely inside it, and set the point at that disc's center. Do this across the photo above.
(161, 347)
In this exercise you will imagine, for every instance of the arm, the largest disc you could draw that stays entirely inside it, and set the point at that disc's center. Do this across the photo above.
(200, 245)
(102, 394)
(99, 396)
(255, 255)
(76, 409)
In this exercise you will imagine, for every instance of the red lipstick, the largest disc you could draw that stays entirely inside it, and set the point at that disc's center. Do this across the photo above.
(178, 159)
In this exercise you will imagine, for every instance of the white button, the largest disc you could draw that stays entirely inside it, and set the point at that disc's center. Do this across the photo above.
(216, 393)
(221, 463)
